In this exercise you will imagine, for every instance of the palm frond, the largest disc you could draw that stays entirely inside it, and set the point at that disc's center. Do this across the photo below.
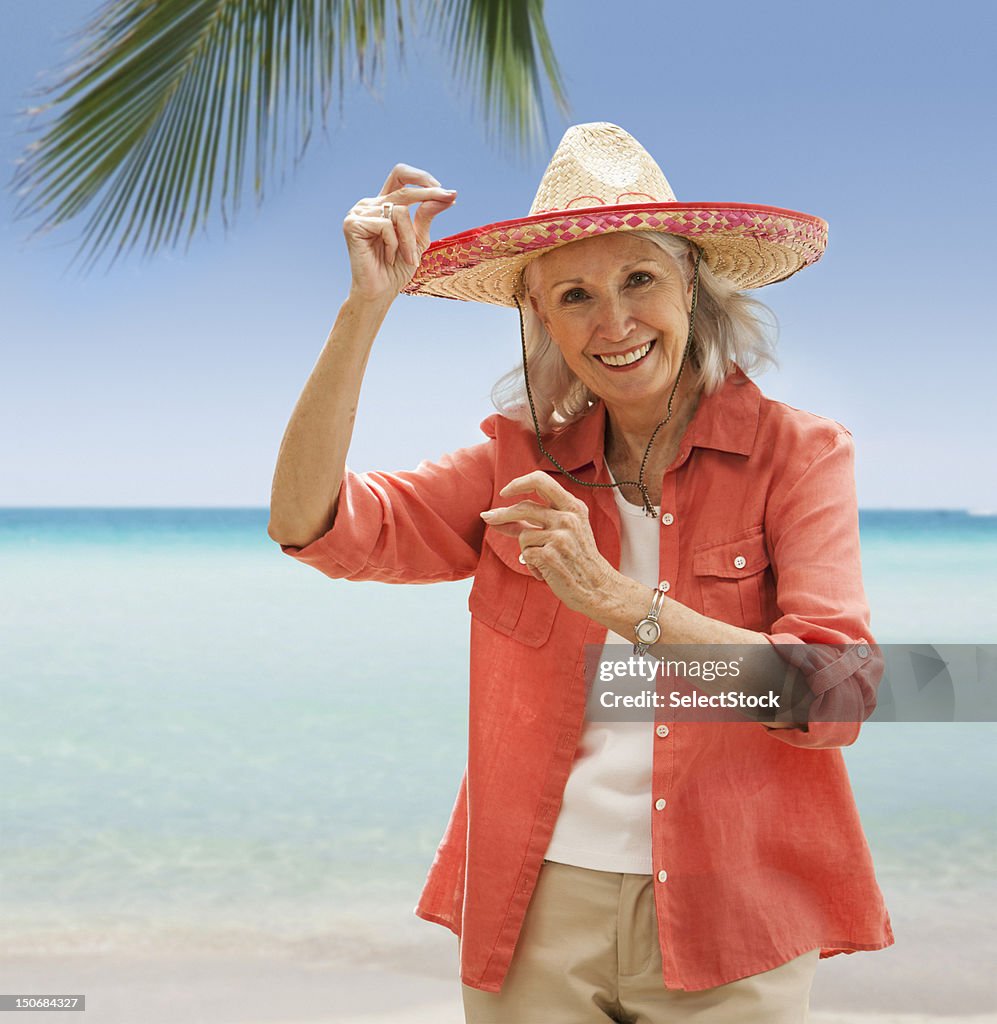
(156, 121)
(494, 44)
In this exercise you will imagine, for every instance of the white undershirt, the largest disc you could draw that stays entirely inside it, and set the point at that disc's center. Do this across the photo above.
(605, 817)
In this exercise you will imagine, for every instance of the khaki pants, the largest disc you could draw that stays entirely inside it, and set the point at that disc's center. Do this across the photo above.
(588, 952)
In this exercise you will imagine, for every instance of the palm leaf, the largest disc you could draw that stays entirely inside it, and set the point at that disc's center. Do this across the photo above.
(494, 45)
(155, 123)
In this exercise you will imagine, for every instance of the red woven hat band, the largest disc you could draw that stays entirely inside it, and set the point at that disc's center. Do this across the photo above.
(601, 179)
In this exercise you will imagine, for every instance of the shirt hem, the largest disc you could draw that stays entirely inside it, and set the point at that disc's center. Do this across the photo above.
(827, 949)
(442, 919)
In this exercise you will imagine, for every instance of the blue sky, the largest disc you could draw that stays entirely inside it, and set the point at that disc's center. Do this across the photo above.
(169, 381)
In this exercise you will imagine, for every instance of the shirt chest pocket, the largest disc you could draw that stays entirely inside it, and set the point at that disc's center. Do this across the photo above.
(507, 597)
(734, 577)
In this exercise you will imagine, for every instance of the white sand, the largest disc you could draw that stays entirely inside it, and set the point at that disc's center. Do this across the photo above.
(228, 990)
(898, 1018)
(938, 974)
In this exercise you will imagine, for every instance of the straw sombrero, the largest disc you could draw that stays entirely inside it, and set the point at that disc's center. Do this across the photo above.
(602, 179)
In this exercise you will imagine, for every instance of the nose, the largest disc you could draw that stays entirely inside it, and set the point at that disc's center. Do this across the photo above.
(615, 320)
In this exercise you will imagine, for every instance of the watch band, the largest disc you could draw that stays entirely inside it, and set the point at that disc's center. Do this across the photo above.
(651, 620)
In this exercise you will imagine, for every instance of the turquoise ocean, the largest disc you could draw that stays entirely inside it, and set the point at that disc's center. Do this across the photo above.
(207, 743)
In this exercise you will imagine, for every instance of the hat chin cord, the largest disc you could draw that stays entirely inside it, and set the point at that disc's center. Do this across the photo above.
(639, 482)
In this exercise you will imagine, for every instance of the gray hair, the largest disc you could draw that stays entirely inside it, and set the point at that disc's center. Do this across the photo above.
(730, 329)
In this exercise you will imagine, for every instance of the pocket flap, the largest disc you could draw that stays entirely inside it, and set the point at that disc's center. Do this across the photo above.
(740, 556)
(508, 550)
(516, 604)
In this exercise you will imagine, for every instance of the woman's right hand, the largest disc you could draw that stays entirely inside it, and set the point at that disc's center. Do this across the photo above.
(384, 253)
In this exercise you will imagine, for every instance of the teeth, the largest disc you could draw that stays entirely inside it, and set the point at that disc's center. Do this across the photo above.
(630, 357)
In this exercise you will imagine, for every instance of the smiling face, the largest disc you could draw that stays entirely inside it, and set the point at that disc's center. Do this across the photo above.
(617, 307)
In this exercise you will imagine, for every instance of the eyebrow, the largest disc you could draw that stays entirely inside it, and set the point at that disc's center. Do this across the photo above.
(579, 280)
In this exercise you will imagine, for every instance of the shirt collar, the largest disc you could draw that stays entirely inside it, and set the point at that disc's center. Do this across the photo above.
(727, 421)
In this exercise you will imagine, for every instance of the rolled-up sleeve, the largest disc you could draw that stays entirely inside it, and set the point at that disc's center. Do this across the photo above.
(823, 629)
(413, 526)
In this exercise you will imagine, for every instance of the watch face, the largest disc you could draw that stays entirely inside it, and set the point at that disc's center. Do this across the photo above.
(648, 631)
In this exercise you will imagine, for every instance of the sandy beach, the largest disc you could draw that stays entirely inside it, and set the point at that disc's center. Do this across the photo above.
(221, 990)
(390, 967)
(240, 991)
(325, 982)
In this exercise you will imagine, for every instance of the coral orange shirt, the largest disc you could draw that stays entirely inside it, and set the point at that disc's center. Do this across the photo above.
(759, 854)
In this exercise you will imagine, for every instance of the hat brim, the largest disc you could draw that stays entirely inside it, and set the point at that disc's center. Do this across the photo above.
(750, 245)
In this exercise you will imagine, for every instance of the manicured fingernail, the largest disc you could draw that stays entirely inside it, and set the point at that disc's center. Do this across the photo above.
(522, 558)
(488, 514)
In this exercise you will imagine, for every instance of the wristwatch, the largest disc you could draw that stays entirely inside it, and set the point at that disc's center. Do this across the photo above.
(648, 629)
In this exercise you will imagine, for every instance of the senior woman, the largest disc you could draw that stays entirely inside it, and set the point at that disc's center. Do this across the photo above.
(635, 488)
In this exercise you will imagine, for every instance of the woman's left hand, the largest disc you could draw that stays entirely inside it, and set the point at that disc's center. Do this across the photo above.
(557, 542)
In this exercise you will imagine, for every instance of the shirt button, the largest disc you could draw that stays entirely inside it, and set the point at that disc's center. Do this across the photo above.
(862, 651)
(662, 730)
(665, 586)
(668, 519)
(740, 562)
(662, 876)
(659, 805)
